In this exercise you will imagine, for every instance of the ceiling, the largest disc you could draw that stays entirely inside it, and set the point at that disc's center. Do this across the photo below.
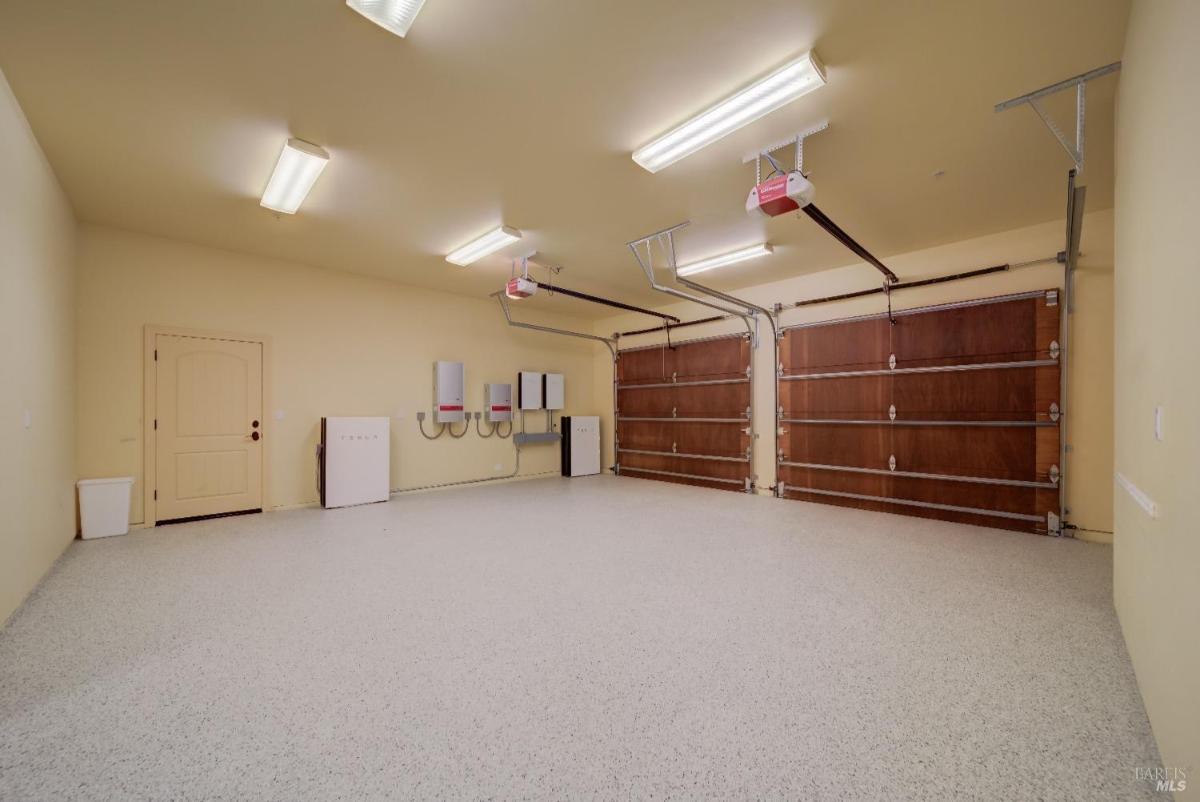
(167, 118)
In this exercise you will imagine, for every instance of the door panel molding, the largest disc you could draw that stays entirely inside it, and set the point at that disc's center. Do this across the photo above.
(150, 333)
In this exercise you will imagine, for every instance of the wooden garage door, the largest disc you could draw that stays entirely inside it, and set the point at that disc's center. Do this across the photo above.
(945, 412)
(683, 412)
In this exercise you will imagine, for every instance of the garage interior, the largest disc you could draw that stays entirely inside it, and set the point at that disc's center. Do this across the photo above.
(451, 399)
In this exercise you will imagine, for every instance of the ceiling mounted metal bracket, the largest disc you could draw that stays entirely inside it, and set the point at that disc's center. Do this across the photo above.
(1079, 83)
(797, 140)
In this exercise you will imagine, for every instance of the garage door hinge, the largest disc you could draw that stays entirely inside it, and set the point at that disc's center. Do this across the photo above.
(1051, 297)
(156, 495)
(156, 424)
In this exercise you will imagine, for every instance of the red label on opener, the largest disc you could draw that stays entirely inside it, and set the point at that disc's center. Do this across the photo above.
(449, 408)
(501, 408)
(772, 189)
(773, 199)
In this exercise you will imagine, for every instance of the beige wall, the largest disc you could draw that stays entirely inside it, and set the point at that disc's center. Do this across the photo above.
(1089, 480)
(342, 345)
(37, 301)
(1157, 561)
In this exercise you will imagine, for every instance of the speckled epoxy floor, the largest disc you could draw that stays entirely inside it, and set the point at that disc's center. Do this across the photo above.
(587, 638)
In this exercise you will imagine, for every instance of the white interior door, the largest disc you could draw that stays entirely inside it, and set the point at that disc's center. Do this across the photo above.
(208, 426)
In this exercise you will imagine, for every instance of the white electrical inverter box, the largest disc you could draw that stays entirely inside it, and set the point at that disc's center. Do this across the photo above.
(497, 402)
(580, 445)
(553, 391)
(355, 461)
(529, 390)
(448, 380)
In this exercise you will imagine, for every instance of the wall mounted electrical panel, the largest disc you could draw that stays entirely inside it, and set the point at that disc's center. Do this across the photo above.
(355, 461)
(448, 381)
(529, 390)
(497, 402)
(553, 391)
(580, 445)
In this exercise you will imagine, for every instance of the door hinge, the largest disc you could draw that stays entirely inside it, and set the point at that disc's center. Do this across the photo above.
(156, 495)
(156, 424)
(155, 354)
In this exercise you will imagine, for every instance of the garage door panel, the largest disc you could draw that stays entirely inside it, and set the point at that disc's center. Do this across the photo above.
(720, 439)
(961, 494)
(1046, 391)
(973, 519)
(993, 332)
(646, 403)
(713, 468)
(856, 446)
(840, 481)
(973, 451)
(642, 366)
(727, 357)
(855, 345)
(726, 474)
(1004, 394)
(646, 435)
(698, 433)
(1046, 446)
(865, 398)
(713, 401)
(971, 444)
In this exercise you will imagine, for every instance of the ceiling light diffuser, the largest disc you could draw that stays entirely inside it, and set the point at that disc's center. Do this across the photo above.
(489, 243)
(394, 15)
(778, 89)
(299, 166)
(734, 257)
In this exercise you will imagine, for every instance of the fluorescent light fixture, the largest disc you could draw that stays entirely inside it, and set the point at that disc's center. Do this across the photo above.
(489, 243)
(395, 15)
(299, 166)
(753, 252)
(778, 89)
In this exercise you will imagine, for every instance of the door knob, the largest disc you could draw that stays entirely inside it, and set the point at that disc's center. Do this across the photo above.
(254, 424)
(255, 436)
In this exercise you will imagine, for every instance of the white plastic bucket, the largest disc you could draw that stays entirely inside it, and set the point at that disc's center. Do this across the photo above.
(104, 506)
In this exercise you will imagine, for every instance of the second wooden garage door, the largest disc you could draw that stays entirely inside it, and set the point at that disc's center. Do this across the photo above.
(948, 412)
(683, 412)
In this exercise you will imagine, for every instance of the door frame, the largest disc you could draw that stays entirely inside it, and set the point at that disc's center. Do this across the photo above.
(150, 408)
